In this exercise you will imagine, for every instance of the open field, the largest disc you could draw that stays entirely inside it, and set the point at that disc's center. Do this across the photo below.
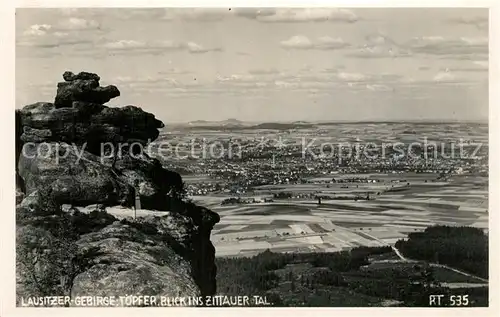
(302, 225)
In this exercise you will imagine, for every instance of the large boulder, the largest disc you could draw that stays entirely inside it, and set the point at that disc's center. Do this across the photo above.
(154, 256)
(169, 255)
(91, 124)
(83, 87)
(70, 76)
(75, 176)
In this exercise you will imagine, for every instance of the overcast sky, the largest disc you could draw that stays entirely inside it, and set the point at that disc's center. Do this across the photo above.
(267, 64)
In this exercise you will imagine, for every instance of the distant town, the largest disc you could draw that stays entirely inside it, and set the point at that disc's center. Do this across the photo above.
(289, 163)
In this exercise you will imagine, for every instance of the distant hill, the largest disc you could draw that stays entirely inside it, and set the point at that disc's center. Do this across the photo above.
(302, 123)
(233, 121)
(283, 126)
(205, 123)
(198, 122)
(234, 124)
(412, 122)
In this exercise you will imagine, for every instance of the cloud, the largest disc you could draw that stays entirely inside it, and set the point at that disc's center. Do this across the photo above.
(444, 76)
(379, 51)
(379, 45)
(459, 76)
(54, 43)
(79, 24)
(263, 81)
(196, 14)
(67, 27)
(449, 47)
(297, 42)
(326, 42)
(291, 15)
(470, 20)
(255, 81)
(168, 14)
(482, 64)
(379, 39)
(475, 66)
(308, 80)
(38, 30)
(480, 22)
(139, 13)
(46, 36)
(352, 76)
(69, 24)
(134, 46)
(174, 71)
(303, 85)
(322, 43)
(236, 77)
(68, 32)
(269, 71)
(154, 82)
(285, 84)
(269, 81)
(373, 82)
(90, 12)
(335, 69)
(253, 13)
(197, 48)
(377, 87)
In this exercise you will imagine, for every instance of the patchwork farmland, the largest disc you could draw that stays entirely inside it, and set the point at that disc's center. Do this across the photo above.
(301, 225)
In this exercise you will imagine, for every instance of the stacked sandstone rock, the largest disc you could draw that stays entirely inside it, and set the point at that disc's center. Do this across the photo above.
(77, 122)
(79, 116)
(59, 153)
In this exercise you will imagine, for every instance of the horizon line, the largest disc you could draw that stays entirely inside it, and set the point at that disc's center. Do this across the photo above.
(486, 120)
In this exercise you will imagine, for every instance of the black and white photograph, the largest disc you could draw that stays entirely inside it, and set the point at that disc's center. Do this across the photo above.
(252, 157)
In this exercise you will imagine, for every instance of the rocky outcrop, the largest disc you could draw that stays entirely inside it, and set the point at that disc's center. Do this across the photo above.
(66, 154)
(89, 124)
(75, 176)
(83, 87)
(161, 255)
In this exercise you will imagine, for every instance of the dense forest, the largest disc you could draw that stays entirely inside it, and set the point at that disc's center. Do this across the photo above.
(464, 248)
(362, 276)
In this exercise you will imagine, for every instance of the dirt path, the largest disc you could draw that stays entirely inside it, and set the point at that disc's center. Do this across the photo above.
(404, 259)
(464, 285)
(458, 271)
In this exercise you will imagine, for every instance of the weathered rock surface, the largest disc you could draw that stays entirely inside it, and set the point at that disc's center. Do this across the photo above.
(83, 87)
(156, 255)
(60, 160)
(75, 176)
(169, 255)
(97, 126)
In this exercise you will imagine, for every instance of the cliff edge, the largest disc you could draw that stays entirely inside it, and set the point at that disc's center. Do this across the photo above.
(75, 158)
